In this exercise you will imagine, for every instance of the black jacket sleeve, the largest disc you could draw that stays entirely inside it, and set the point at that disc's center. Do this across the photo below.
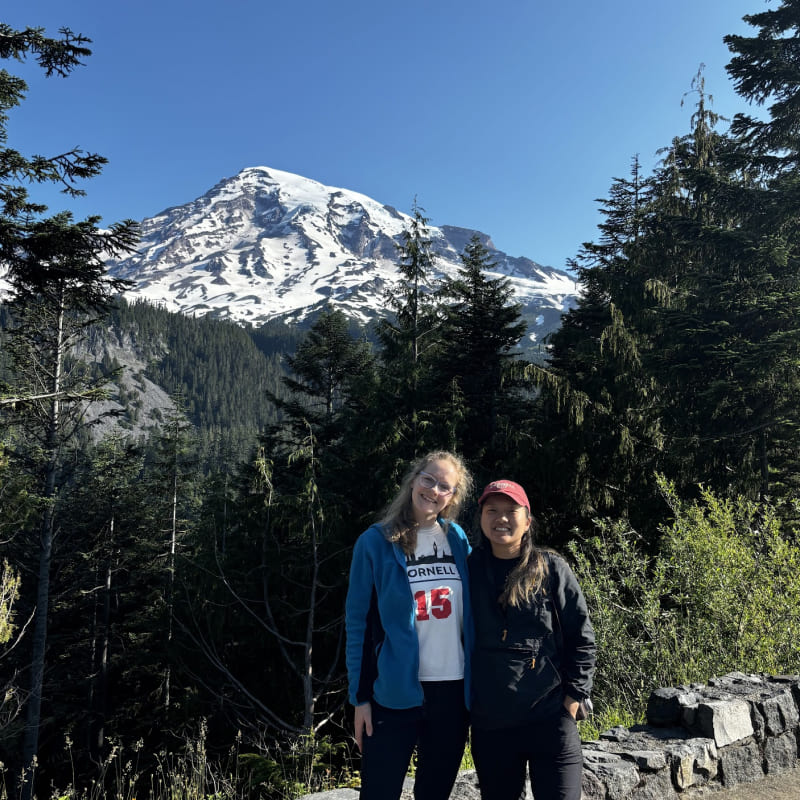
(579, 651)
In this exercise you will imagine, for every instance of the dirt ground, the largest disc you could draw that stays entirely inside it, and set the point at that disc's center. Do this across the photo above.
(773, 787)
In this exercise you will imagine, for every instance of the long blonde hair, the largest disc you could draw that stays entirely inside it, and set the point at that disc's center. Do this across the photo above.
(398, 520)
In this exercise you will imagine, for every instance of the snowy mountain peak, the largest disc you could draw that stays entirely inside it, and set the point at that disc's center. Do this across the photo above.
(267, 243)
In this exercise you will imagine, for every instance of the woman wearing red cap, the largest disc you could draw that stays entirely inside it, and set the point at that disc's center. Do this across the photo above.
(533, 656)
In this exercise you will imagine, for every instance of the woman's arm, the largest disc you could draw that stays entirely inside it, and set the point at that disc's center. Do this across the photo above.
(579, 642)
(357, 605)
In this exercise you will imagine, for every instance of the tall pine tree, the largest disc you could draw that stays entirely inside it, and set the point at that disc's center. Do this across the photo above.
(407, 341)
(480, 334)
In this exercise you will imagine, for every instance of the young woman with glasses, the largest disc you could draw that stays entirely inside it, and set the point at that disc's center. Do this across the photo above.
(407, 613)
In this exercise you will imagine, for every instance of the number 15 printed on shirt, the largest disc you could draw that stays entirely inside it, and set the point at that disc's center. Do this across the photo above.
(434, 602)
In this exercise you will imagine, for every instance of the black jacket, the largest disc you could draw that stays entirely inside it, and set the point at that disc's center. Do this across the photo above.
(525, 660)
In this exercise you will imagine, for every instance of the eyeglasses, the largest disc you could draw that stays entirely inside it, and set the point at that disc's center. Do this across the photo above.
(427, 481)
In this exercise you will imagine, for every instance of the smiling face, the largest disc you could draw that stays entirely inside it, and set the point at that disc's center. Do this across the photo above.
(426, 503)
(504, 522)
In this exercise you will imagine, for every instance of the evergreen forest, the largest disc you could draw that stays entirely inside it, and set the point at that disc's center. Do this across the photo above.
(174, 569)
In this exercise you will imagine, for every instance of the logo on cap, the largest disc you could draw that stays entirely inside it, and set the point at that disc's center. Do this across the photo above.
(509, 489)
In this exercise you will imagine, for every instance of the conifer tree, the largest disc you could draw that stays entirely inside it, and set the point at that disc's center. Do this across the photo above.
(707, 230)
(407, 342)
(765, 71)
(55, 268)
(480, 331)
(279, 585)
(698, 318)
(108, 621)
(325, 364)
(596, 409)
(288, 519)
(332, 375)
(172, 468)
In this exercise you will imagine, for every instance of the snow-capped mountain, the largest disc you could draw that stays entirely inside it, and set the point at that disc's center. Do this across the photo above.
(266, 244)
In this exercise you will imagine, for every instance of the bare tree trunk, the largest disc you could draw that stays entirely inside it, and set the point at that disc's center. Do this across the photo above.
(308, 649)
(30, 744)
(94, 671)
(171, 578)
(98, 699)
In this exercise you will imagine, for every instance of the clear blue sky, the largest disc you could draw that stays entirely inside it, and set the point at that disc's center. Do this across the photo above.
(509, 116)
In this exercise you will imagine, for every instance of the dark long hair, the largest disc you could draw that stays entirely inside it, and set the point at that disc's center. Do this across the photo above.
(529, 576)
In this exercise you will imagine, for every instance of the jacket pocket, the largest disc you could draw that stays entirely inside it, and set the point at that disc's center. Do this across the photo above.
(508, 683)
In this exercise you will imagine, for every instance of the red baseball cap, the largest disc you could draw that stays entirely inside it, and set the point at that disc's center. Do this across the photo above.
(509, 489)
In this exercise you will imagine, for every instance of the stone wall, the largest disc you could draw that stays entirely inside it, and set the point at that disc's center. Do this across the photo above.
(733, 731)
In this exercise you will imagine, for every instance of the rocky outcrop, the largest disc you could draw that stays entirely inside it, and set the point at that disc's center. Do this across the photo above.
(735, 730)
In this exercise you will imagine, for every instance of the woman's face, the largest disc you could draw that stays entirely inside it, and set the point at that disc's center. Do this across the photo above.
(432, 490)
(504, 523)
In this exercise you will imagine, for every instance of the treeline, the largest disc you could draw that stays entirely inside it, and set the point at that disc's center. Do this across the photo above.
(218, 373)
(168, 591)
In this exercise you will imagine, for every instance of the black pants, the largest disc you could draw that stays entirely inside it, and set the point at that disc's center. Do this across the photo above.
(550, 750)
(438, 728)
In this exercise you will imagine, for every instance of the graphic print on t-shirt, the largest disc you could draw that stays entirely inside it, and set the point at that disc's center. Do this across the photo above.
(431, 571)
(436, 586)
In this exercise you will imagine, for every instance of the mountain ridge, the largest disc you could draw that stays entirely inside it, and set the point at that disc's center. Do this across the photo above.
(267, 244)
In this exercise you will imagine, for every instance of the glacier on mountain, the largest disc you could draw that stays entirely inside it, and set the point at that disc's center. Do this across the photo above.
(268, 244)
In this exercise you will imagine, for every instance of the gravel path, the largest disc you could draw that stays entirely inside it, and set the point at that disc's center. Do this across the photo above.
(785, 786)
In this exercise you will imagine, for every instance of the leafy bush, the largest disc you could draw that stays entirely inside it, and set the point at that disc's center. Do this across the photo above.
(721, 593)
(9, 592)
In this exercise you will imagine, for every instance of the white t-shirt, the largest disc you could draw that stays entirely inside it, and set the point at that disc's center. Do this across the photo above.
(436, 586)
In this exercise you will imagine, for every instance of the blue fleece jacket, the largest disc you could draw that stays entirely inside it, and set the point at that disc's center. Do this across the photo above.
(382, 646)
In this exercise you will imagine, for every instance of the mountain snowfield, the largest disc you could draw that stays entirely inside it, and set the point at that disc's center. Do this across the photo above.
(268, 244)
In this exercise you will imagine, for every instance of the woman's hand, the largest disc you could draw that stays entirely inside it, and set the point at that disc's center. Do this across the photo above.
(570, 704)
(363, 723)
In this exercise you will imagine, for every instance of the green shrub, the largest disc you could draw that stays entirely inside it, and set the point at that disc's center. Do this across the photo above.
(721, 593)
(9, 592)
(734, 583)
